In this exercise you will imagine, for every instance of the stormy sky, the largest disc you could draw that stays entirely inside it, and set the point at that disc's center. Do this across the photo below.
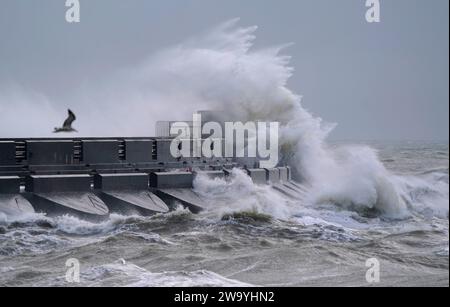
(378, 81)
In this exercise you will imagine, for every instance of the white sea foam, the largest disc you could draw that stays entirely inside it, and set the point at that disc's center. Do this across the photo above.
(238, 193)
(121, 273)
(427, 194)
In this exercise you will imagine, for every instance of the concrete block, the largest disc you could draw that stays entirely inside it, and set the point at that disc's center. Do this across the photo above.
(53, 152)
(132, 181)
(57, 183)
(139, 151)
(289, 170)
(163, 150)
(258, 175)
(10, 185)
(171, 180)
(7, 153)
(273, 175)
(284, 176)
(100, 151)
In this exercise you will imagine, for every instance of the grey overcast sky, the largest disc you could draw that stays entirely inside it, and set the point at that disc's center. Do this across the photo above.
(377, 81)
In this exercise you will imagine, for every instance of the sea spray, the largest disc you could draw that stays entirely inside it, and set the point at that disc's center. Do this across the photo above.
(221, 71)
(239, 194)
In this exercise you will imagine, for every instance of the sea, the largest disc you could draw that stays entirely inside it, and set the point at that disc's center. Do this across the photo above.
(253, 236)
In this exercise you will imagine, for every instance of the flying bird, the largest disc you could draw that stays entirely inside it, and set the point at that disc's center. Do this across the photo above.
(67, 126)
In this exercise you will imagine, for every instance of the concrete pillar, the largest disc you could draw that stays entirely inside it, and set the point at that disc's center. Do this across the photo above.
(58, 183)
(171, 180)
(100, 151)
(7, 153)
(258, 175)
(273, 175)
(289, 170)
(10, 185)
(284, 174)
(54, 152)
(131, 181)
(139, 151)
(163, 151)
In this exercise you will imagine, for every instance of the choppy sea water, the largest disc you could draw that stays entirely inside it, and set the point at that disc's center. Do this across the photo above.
(260, 239)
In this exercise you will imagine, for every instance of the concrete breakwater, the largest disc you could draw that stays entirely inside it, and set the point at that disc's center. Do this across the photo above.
(91, 178)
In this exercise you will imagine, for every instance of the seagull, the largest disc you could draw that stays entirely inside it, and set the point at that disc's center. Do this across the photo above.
(67, 126)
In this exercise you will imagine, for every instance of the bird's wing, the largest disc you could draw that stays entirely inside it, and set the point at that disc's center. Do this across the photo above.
(68, 122)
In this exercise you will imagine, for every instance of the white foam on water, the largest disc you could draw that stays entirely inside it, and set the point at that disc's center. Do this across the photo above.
(33, 233)
(122, 273)
(238, 193)
(75, 226)
(427, 194)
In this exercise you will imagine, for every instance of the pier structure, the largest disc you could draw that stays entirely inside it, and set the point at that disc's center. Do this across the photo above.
(93, 177)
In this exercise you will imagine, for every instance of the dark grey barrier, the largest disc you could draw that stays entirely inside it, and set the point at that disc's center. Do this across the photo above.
(128, 193)
(57, 183)
(7, 153)
(163, 150)
(273, 175)
(122, 181)
(10, 185)
(140, 151)
(258, 175)
(100, 151)
(186, 197)
(284, 175)
(65, 194)
(289, 170)
(53, 152)
(171, 180)
(176, 187)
